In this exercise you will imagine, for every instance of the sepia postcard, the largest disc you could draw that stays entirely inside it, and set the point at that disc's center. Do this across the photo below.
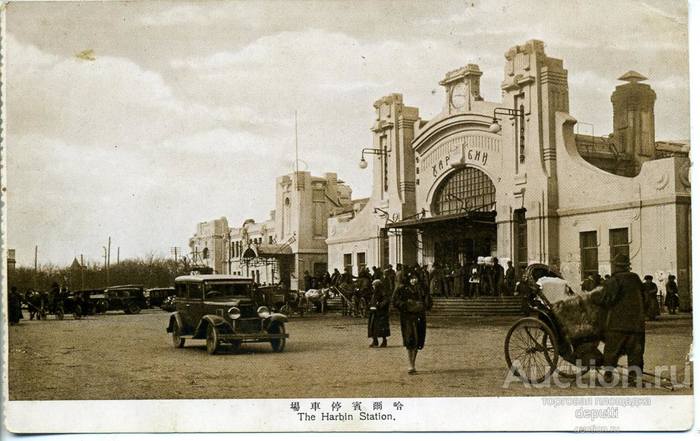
(346, 216)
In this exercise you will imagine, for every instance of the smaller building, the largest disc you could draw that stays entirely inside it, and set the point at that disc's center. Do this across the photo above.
(281, 249)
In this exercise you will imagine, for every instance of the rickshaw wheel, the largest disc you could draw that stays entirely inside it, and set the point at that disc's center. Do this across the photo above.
(531, 350)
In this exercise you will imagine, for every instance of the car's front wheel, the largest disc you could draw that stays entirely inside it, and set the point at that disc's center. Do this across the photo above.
(278, 343)
(213, 341)
(178, 341)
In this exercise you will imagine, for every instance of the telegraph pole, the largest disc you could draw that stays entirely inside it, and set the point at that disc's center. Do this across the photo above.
(109, 255)
(118, 248)
(82, 273)
(36, 266)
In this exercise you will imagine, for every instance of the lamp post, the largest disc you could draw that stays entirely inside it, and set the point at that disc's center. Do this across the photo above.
(495, 127)
(379, 152)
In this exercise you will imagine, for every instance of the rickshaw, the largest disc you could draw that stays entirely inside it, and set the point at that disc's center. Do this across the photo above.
(536, 346)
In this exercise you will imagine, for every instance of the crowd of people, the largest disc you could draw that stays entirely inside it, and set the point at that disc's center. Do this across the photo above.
(654, 300)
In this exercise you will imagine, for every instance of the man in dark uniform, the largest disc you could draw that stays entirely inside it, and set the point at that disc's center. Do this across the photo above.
(650, 291)
(624, 331)
(335, 278)
(510, 279)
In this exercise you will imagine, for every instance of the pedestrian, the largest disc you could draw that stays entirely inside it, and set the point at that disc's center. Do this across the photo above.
(399, 278)
(672, 300)
(623, 300)
(326, 280)
(474, 280)
(498, 277)
(436, 280)
(510, 278)
(389, 278)
(376, 274)
(412, 303)
(378, 324)
(447, 280)
(486, 276)
(459, 278)
(335, 278)
(14, 306)
(651, 304)
(307, 281)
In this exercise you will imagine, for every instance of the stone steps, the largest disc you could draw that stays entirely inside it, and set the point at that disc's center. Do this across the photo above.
(461, 307)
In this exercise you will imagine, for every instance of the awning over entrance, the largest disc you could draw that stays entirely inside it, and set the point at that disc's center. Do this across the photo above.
(263, 250)
(471, 217)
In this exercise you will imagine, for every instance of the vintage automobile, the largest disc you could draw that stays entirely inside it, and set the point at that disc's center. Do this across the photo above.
(156, 296)
(127, 298)
(223, 310)
(86, 302)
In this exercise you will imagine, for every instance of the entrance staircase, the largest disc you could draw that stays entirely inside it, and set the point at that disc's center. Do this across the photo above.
(455, 307)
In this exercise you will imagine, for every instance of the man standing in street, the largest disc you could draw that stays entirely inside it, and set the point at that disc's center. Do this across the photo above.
(624, 330)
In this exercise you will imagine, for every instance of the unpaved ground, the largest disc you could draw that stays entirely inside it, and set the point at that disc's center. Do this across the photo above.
(120, 356)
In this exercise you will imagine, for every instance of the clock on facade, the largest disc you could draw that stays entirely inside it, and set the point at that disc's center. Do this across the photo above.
(458, 95)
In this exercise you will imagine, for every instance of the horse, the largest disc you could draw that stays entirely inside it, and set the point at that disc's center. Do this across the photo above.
(317, 297)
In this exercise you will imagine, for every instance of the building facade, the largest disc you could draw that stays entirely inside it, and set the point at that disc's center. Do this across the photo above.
(282, 248)
(512, 179)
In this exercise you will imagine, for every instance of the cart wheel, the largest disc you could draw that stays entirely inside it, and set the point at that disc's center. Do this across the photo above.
(531, 350)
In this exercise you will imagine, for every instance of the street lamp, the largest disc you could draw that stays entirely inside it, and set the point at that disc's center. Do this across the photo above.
(378, 152)
(495, 127)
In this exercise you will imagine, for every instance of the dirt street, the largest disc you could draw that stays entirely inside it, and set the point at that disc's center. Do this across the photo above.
(121, 356)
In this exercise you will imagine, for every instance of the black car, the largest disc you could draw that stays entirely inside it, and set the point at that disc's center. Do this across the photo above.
(86, 302)
(223, 309)
(156, 296)
(128, 298)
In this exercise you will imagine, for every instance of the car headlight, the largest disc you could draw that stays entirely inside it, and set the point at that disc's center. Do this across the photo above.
(263, 312)
(234, 313)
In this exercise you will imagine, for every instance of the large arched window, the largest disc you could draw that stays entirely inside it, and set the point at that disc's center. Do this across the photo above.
(468, 189)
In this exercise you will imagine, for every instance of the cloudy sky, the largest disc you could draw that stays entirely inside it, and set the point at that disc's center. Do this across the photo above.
(181, 112)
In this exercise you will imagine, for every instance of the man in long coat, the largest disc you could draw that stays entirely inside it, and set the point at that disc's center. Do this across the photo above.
(378, 324)
(624, 330)
(413, 303)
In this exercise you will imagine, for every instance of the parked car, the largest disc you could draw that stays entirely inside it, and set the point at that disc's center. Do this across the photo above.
(156, 296)
(127, 298)
(223, 310)
(86, 302)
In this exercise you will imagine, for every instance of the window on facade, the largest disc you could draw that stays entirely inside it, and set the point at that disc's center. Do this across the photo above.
(619, 242)
(588, 242)
(205, 253)
(269, 240)
(361, 261)
(384, 239)
(347, 261)
(468, 189)
(520, 239)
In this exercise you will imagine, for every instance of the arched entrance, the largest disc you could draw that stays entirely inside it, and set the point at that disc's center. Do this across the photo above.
(463, 223)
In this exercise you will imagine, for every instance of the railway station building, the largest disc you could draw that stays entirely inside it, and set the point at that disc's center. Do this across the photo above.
(512, 179)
